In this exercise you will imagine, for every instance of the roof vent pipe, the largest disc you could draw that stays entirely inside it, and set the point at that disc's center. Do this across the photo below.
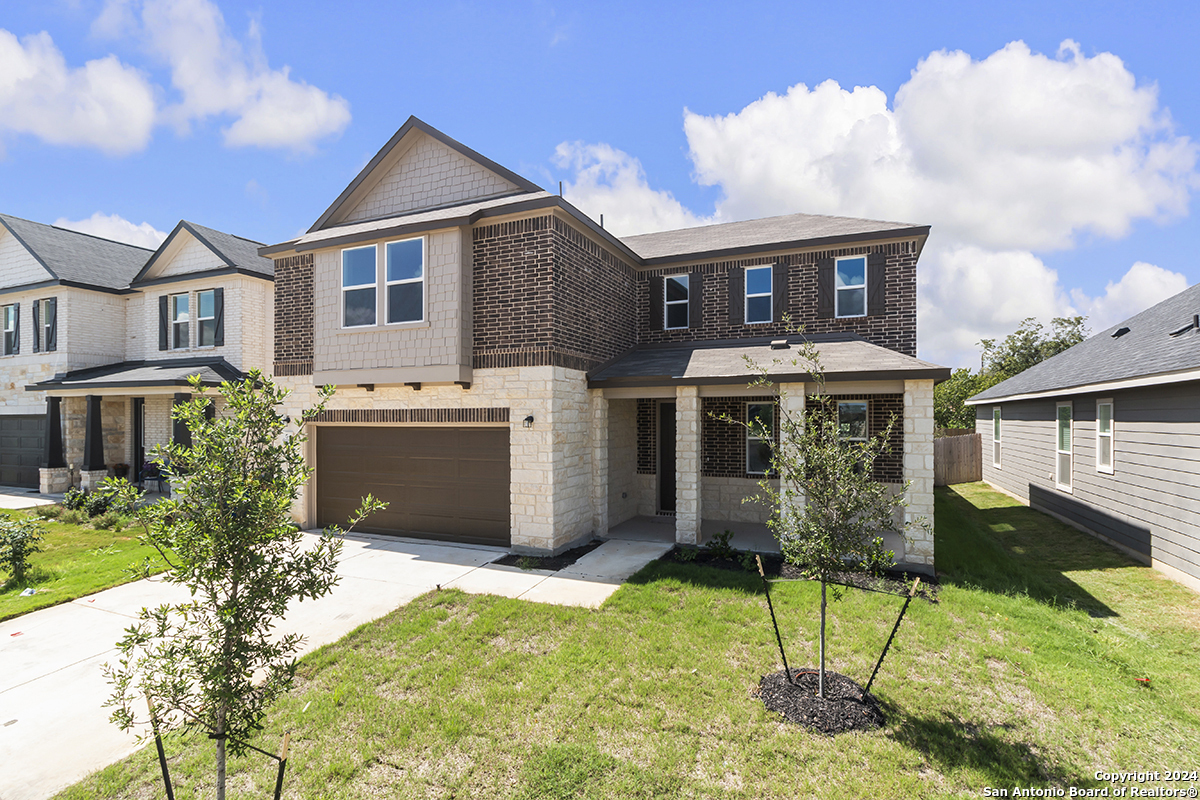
(779, 344)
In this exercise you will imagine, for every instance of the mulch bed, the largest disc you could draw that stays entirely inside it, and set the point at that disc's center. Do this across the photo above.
(845, 707)
(555, 563)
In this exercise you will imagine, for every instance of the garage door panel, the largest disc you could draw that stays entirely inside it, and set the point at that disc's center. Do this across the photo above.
(440, 482)
(22, 444)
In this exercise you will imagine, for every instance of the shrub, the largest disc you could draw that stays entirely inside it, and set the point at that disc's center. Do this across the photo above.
(19, 538)
(122, 495)
(109, 519)
(72, 517)
(96, 504)
(74, 499)
(719, 546)
(48, 512)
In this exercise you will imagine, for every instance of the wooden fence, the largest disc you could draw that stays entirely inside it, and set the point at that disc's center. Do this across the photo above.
(957, 459)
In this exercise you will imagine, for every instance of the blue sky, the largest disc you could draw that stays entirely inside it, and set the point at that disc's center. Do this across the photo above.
(1050, 145)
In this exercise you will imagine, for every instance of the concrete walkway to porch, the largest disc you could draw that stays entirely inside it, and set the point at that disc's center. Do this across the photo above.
(54, 731)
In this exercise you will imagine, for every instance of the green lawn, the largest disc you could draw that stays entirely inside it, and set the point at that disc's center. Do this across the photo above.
(76, 560)
(1025, 674)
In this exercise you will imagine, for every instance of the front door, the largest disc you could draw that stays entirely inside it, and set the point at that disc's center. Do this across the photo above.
(666, 457)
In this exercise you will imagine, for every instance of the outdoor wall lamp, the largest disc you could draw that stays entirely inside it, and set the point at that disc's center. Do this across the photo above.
(529, 421)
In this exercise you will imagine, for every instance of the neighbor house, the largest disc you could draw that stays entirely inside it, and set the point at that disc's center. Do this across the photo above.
(1106, 436)
(101, 338)
(509, 372)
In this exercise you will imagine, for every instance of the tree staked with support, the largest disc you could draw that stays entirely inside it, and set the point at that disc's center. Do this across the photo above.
(214, 663)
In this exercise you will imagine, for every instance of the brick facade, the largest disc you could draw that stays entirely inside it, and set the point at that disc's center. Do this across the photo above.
(294, 315)
(889, 467)
(896, 329)
(724, 443)
(647, 444)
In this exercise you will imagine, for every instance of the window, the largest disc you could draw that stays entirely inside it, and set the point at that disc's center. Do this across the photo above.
(851, 287)
(1062, 443)
(179, 321)
(206, 318)
(405, 280)
(996, 437)
(758, 295)
(45, 315)
(11, 341)
(358, 286)
(852, 421)
(675, 302)
(760, 419)
(1104, 436)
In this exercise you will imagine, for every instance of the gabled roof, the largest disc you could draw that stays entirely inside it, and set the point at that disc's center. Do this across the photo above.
(763, 234)
(1159, 345)
(414, 124)
(234, 251)
(78, 258)
(843, 357)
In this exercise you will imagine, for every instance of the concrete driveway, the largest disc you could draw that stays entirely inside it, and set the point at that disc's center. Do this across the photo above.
(53, 730)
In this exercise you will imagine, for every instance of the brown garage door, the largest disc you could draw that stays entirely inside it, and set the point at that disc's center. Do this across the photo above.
(440, 483)
(22, 442)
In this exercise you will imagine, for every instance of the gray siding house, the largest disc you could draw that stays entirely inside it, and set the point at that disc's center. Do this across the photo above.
(1106, 436)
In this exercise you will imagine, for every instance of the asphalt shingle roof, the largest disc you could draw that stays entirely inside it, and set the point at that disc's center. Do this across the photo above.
(169, 372)
(79, 257)
(242, 252)
(842, 357)
(752, 233)
(1148, 348)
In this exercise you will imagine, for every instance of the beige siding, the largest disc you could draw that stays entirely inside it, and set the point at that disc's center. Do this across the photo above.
(186, 254)
(622, 461)
(18, 267)
(427, 174)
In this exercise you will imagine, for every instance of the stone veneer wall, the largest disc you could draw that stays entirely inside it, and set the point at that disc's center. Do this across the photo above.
(896, 329)
(918, 468)
(294, 315)
(622, 461)
(551, 504)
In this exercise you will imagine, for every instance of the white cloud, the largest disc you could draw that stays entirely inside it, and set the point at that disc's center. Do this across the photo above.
(1005, 157)
(112, 226)
(103, 104)
(216, 75)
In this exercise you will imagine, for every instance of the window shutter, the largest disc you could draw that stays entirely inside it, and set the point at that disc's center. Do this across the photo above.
(219, 314)
(164, 326)
(16, 328)
(37, 334)
(876, 284)
(51, 324)
(737, 296)
(695, 299)
(779, 287)
(825, 284)
(656, 303)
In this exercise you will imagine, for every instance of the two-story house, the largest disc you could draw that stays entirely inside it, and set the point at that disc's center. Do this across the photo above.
(107, 340)
(509, 372)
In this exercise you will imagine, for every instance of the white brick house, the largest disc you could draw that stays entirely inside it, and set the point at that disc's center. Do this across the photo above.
(509, 372)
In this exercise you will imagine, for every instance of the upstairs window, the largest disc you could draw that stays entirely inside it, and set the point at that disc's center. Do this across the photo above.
(760, 432)
(1062, 445)
(675, 302)
(179, 321)
(758, 295)
(996, 437)
(206, 318)
(406, 280)
(852, 420)
(12, 340)
(851, 287)
(45, 325)
(1104, 436)
(358, 286)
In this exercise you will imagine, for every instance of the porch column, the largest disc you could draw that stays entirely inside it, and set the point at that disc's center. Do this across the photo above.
(179, 430)
(918, 468)
(599, 462)
(791, 406)
(687, 465)
(54, 477)
(94, 469)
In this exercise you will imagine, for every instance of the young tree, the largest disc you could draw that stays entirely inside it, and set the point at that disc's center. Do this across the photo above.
(227, 535)
(828, 512)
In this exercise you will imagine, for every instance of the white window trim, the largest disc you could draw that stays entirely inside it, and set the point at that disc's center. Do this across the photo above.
(7, 330)
(200, 319)
(837, 305)
(866, 403)
(997, 433)
(746, 296)
(372, 285)
(1070, 452)
(684, 302)
(187, 345)
(1112, 423)
(751, 438)
(387, 298)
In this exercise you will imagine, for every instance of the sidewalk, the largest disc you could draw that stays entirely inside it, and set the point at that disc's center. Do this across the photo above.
(53, 730)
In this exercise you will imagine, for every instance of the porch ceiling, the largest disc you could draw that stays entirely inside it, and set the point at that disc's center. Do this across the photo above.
(166, 374)
(843, 357)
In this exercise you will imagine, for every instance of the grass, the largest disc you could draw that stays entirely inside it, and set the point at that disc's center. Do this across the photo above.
(76, 560)
(1025, 674)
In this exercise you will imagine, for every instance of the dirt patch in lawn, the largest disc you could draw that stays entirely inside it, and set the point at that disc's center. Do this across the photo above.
(553, 563)
(845, 707)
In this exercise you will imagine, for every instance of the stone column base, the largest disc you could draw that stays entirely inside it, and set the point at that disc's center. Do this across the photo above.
(89, 479)
(54, 480)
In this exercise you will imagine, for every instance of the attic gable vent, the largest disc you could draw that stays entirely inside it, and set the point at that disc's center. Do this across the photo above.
(1119, 332)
